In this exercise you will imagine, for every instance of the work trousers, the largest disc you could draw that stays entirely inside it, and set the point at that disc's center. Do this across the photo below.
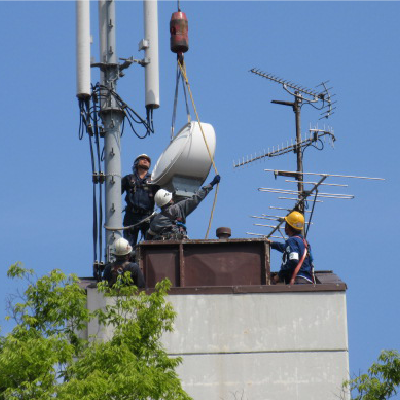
(132, 234)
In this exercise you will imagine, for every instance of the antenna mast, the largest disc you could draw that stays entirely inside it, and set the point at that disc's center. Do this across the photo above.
(113, 111)
(301, 96)
(296, 106)
(112, 117)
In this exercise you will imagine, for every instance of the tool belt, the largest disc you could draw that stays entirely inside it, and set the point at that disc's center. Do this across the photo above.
(176, 232)
(171, 236)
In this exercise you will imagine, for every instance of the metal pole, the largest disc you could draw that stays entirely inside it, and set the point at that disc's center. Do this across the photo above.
(297, 110)
(103, 41)
(112, 118)
(296, 106)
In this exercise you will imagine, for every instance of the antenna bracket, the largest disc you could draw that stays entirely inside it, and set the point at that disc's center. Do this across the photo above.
(290, 174)
(144, 44)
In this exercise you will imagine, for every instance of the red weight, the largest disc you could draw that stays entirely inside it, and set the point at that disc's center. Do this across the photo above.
(179, 32)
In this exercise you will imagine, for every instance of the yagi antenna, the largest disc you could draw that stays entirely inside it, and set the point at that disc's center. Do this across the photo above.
(302, 196)
(308, 96)
(319, 99)
(309, 190)
(314, 138)
(286, 84)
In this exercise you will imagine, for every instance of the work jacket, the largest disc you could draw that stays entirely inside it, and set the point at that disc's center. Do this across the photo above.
(170, 222)
(293, 250)
(119, 267)
(139, 193)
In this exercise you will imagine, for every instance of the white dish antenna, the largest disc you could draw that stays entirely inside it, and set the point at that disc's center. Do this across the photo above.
(185, 164)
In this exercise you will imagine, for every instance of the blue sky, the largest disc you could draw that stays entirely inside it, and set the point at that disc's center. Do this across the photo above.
(46, 180)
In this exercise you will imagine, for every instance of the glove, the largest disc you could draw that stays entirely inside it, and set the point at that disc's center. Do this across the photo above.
(216, 180)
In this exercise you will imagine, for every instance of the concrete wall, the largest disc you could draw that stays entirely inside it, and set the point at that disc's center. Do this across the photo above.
(263, 346)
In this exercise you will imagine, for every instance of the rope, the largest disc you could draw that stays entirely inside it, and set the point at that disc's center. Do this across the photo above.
(183, 71)
(122, 228)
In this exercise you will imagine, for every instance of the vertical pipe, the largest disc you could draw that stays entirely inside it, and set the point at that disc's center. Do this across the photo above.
(112, 159)
(103, 36)
(82, 48)
(150, 15)
(297, 110)
(111, 36)
(112, 118)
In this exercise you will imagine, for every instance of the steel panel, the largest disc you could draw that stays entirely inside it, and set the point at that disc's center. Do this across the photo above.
(190, 263)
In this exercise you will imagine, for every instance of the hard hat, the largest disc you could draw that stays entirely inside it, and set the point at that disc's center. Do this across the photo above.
(162, 197)
(295, 220)
(122, 247)
(139, 157)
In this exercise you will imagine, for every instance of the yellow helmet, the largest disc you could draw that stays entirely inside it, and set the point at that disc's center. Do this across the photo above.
(295, 220)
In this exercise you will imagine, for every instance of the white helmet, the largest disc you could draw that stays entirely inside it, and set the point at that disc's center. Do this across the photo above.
(122, 247)
(162, 197)
(136, 162)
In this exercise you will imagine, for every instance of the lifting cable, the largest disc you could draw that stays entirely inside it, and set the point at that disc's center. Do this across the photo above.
(182, 68)
(179, 77)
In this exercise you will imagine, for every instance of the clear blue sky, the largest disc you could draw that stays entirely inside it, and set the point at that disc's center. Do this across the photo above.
(46, 183)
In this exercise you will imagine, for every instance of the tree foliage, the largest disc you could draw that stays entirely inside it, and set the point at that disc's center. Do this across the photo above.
(44, 357)
(382, 380)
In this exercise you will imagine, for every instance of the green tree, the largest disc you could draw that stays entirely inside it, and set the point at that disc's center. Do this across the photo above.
(382, 380)
(45, 358)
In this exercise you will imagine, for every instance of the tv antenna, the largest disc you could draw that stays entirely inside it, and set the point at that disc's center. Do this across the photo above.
(311, 192)
(321, 100)
(309, 189)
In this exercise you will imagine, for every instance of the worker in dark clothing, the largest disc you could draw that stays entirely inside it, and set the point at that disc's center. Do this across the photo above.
(122, 264)
(139, 198)
(170, 222)
(297, 267)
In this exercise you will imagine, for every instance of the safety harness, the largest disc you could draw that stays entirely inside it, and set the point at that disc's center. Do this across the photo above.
(117, 270)
(297, 269)
(134, 184)
(178, 229)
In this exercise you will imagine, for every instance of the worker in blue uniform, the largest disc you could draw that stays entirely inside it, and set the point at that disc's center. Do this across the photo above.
(297, 261)
(169, 224)
(139, 198)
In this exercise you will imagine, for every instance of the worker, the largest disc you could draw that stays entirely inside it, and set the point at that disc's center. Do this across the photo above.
(297, 267)
(170, 222)
(139, 198)
(122, 252)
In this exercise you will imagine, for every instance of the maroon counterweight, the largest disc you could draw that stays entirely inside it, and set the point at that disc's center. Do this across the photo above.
(179, 32)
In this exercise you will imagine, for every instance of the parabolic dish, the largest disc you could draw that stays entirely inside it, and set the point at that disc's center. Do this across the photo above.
(186, 158)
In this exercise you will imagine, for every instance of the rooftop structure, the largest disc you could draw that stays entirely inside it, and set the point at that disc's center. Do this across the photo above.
(240, 336)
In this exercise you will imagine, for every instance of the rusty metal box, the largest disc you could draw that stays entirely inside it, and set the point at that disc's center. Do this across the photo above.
(212, 262)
